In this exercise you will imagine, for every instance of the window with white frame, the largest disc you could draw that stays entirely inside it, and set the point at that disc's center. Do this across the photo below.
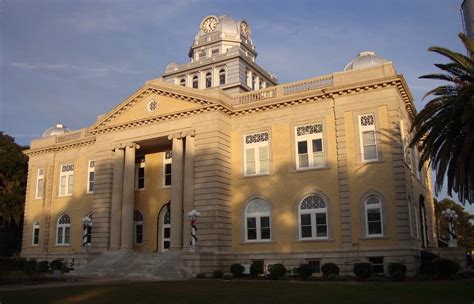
(257, 220)
(182, 82)
(40, 184)
(90, 176)
(66, 180)
(36, 233)
(309, 146)
(195, 82)
(313, 218)
(167, 163)
(373, 216)
(63, 230)
(368, 138)
(166, 229)
(377, 264)
(208, 79)
(256, 159)
(140, 173)
(138, 227)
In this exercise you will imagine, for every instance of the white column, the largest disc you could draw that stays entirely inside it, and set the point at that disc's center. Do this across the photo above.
(177, 193)
(188, 186)
(116, 210)
(128, 203)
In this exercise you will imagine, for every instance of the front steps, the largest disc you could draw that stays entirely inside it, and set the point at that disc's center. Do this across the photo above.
(132, 264)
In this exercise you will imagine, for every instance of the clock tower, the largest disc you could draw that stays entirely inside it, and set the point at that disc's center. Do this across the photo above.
(222, 55)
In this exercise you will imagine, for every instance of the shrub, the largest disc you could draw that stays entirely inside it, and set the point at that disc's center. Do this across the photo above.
(6, 264)
(427, 268)
(43, 266)
(277, 271)
(444, 268)
(217, 274)
(228, 276)
(201, 275)
(19, 263)
(56, 264)
(305, 271)
(30, 267)
(256, 268)
(467, 274)
(397, 271)
(237, 270)
(330, 270)
(363, 270)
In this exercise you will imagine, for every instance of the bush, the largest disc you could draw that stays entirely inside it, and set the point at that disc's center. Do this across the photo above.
(444, 268)
(363, 271)
(19, 263)
(277, 271)
(56, 264)
(305, 271)
(201, 275)
(427, 268)
(467, 274)
(256, 268)
(397, 271)
(228, 276)
(330, 270)
(6, 264)
(237, 270)
(217, 274)
(30, 267)
(43, 266)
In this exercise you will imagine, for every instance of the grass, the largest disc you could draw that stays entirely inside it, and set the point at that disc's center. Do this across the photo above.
(219, 291)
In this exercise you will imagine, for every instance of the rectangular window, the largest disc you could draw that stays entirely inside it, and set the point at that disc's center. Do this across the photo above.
(90, 176)
(252, 228)
(40, 184)
(306, 229)
(309, 146)
(215, 51)
(315, 265)
(140, 173)
(368, 138)
(139, 233)
(168, 158)
(377, 264)
(66, 180)
(256, 156)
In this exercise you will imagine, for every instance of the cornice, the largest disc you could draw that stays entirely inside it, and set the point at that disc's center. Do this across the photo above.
(60, 147)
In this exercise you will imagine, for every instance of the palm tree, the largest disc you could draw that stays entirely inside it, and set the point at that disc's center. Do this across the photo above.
(444, 129)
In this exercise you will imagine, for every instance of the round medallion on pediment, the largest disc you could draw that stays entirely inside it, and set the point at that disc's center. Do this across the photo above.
(152, 106)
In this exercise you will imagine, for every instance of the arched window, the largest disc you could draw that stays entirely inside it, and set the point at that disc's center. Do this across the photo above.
(195, 82)
(138, 227)
(221, 77)
(182, 82)
(63, 230)
(208, 79)
(313, 218)
(373, 216)
(257, 220)
(36, 233)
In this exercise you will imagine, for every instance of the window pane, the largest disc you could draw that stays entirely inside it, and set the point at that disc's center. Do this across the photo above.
(168, 169)
(321, 218)
(250, 168)
(60, 235)
(40, 188)
(317, 145)
(63, 185)
(167, 180)
(306, 219)
(303, 160)
(265, 233)
(265, 222)
(139, 231)
(66, 235)
(166, 244)
(251, 222)
(321, 230)
(375, 228)
(302, 147)
(70, 184)
(252, 234)
(318, 159)
(306, 232)
(250, 154)
(370, 152)
(264, 166)
(373, 215)
(315, 266)
(167, 233)
(368, 138)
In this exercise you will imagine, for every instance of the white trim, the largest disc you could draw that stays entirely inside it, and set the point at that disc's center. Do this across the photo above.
(90, 169)
(36, 226)
(366, 129)
(258, 221)
(313, 212)
(310, 154)
(39, 181)
(254, 149)
(66, 179)
(370, 207)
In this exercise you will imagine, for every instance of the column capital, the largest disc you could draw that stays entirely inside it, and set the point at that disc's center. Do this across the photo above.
(118, 147)
(175, 136)
(132, 145)
(191, 133)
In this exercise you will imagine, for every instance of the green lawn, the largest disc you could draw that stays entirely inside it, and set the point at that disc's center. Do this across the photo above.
(249, 292)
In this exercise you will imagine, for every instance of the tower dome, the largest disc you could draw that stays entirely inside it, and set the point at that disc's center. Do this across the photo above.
(56, 130)
(364, 60)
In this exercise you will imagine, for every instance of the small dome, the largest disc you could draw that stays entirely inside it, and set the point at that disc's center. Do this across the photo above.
(56, 130)
(365, 60)
(225, 25)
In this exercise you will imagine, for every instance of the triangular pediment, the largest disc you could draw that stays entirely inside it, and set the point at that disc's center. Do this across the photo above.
(153, 101)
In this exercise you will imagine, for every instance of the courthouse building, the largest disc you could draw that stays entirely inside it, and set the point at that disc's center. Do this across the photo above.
(316, 171)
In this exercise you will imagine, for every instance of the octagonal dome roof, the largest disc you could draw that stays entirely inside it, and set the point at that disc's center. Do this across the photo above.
(364, 60)
(56, 130)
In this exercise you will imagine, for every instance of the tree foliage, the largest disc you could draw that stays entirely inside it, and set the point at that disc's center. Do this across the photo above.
(13, 175)
(464, 224)
(444, 129)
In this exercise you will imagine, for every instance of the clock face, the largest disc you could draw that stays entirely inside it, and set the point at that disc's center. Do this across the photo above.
(209, 25)
(244, 29)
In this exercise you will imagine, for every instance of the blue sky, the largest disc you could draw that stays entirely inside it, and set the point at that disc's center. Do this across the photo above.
(70, 61)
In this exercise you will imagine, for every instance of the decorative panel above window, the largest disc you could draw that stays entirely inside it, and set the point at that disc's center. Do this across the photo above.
(256, 154)
(309, 146)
